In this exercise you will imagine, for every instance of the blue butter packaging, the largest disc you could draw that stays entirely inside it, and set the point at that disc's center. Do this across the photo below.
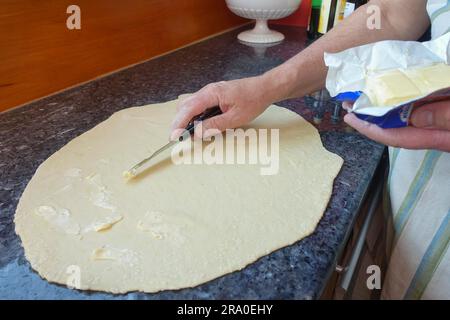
(399, 116)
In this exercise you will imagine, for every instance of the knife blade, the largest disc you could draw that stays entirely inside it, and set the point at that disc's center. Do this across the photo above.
(189, 130)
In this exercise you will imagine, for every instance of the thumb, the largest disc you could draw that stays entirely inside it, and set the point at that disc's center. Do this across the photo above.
(435, 115)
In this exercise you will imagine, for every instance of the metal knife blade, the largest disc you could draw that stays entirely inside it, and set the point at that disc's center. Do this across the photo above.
(208, 113)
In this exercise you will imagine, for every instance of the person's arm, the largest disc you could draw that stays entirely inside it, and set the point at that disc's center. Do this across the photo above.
(306, 72)
(243, 100)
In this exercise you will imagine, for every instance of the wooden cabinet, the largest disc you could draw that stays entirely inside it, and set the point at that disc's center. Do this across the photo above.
(39, 55)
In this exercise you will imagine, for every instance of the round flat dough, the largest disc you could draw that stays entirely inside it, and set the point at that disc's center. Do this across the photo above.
(175, 226)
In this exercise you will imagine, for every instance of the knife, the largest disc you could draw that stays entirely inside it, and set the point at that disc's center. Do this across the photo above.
(189, 130)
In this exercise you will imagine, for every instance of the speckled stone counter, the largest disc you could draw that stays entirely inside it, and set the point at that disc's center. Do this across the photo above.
(30, 134)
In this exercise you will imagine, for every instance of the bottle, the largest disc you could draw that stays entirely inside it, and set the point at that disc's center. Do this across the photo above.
(331, 13)
(352, 5)
(313, 23)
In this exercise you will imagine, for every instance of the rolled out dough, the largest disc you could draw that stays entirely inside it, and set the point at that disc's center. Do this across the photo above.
(175, 226)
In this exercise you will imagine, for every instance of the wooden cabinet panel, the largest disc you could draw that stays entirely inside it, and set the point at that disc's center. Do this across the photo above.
(39, 55)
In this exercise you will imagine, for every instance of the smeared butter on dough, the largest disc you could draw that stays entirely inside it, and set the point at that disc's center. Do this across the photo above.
(100, 196)
(128, 174)
(73, 172)
(103, 224)
(160, 229)
(107, 252)
(59, 218)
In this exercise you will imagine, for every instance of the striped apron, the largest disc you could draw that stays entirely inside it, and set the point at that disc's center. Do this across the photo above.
(419, 188)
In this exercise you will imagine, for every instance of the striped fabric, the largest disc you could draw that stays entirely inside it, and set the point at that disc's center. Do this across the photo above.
(439, 11)
(431, 260)
(419, 188)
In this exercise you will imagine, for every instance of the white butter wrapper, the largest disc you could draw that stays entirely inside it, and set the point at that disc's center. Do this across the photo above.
(347, 72)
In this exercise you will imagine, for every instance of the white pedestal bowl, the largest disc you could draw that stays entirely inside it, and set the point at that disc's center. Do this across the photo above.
(261, 11)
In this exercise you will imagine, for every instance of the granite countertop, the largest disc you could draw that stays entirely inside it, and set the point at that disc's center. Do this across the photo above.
(30, 134)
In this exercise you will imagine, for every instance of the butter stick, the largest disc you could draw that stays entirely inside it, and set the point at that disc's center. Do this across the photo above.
(394, 87)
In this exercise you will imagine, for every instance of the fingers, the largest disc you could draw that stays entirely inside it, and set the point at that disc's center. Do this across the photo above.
(372, 131)
(192, 106)
(215, 125)
(182, 98)
(408, 137)
(434, 115)
(347, 105)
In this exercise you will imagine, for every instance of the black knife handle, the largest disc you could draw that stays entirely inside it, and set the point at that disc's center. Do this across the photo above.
(208, 113)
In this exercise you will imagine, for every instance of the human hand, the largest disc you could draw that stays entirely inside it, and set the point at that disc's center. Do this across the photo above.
(240, 101)
(430, 128)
